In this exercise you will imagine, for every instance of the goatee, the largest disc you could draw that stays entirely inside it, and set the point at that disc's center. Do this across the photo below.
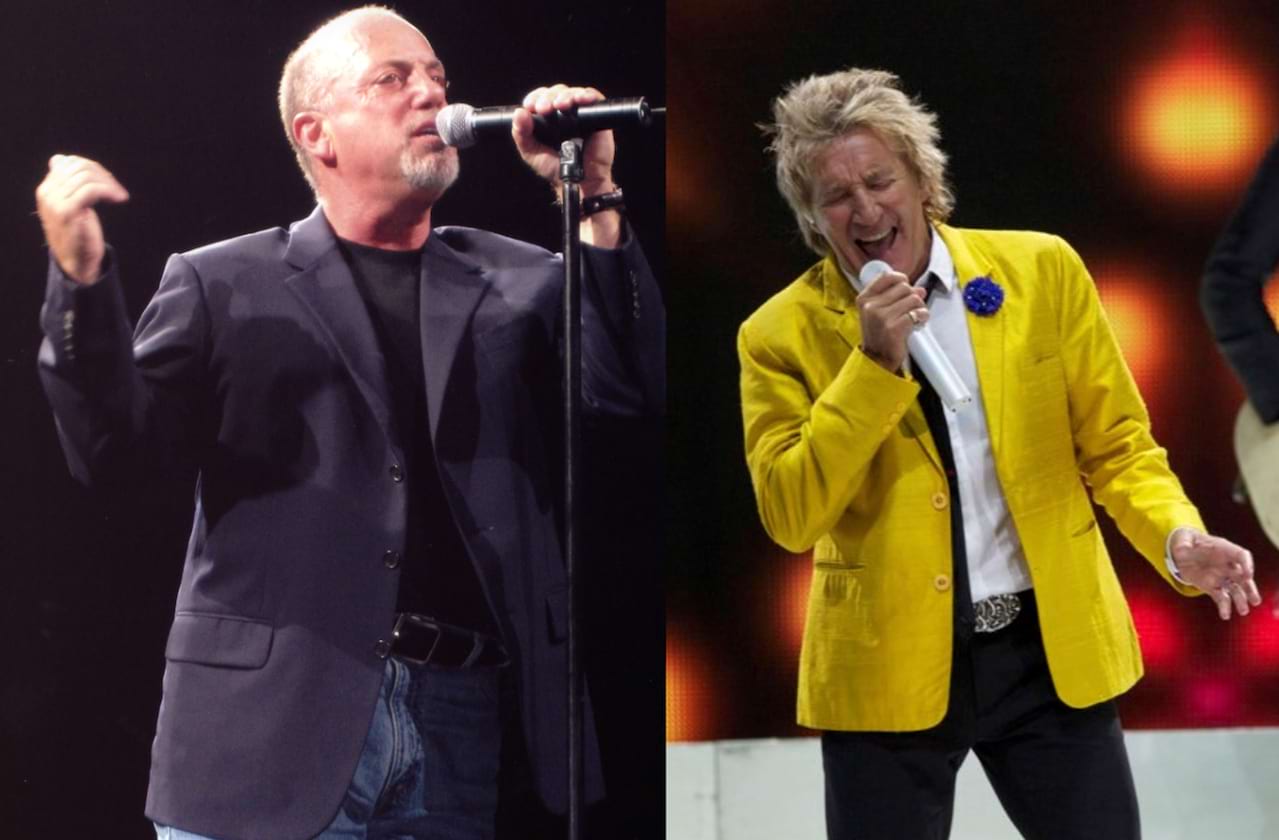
(433, 173)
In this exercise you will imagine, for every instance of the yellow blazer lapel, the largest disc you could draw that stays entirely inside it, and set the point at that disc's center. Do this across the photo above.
(986, 332)
(838, 296)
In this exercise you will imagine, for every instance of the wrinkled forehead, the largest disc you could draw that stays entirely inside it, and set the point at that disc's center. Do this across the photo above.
(854, 152)
(863, 151)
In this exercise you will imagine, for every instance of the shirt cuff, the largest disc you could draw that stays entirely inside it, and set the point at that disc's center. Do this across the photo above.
(1168, 561)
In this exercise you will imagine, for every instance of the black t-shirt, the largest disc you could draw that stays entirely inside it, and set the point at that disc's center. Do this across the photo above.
(437, 577)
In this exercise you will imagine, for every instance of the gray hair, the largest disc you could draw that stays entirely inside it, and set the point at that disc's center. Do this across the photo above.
(307, 81)
(816, 111)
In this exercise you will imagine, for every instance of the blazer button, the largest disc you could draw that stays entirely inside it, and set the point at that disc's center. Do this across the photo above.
(939, 501)
(391, 559)
(941, 583)
(382, 649)
(397, 474)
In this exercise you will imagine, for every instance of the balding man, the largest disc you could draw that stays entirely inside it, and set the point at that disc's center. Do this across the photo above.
(371, 404)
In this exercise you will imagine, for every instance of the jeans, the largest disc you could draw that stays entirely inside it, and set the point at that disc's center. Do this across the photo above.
(430, 762)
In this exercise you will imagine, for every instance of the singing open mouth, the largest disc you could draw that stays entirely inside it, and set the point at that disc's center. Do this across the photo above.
(877, 247)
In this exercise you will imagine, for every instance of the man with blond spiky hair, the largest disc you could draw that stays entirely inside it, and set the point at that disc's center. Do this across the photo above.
(371, 403)
(962, 597)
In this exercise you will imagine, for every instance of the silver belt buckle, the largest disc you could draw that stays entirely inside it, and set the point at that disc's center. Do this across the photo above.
(996, 612)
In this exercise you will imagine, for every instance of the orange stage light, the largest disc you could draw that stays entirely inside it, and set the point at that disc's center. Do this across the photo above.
(793, 606)
(1197, 118)
(1139, 315)
(1271, 296)
(688, 691)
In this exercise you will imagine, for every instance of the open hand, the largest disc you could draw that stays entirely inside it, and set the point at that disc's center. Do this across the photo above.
(1218, 567)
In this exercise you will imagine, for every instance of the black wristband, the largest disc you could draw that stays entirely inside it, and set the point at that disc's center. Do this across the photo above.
(604, 201)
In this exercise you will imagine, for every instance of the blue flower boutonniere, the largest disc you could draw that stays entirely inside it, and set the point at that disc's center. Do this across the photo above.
(983, 296)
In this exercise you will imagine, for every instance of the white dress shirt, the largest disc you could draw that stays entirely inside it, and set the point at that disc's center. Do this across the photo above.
(996, 562)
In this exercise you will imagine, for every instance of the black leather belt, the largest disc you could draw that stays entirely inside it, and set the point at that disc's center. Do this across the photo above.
(424, 641)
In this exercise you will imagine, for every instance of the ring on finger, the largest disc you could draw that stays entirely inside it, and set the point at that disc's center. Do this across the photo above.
(914, 318)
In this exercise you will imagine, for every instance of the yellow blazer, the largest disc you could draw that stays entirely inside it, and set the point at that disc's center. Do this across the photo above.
(842, 462)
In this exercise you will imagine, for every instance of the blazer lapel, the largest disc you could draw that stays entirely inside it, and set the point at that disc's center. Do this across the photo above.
(452, 286)
(327, 290)
(838, 296)
(987, 334)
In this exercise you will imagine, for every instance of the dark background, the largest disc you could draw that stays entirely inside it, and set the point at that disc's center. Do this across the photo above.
(178, 100)
(1032, 99)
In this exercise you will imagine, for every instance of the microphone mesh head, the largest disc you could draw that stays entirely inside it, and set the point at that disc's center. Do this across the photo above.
(870, 271)
(453, 123)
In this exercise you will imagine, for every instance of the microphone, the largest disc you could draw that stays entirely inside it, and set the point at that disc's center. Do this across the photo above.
(463, 126)
(924, 349)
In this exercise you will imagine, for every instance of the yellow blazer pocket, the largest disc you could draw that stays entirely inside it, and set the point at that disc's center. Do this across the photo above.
(839, 605)
(1084, 528)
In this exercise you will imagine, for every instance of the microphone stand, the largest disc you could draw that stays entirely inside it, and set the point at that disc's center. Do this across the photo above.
(571, 174)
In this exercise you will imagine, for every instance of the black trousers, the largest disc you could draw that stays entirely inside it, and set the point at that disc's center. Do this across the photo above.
(1060, 773)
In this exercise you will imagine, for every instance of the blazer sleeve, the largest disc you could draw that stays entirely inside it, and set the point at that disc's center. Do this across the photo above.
(1126, 470)
(623, 332)
(123, 403)
(1233, 282)
(809, 454)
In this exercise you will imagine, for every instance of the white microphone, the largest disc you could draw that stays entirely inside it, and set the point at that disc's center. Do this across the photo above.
(923, 348)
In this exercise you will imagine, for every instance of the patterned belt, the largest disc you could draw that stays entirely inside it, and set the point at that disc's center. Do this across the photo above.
(996, 612)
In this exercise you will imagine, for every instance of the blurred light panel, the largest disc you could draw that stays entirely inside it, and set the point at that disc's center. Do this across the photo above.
(1160, 629)
(1215, 699)
(1197, 118)
(688, 690)
(1259, 639)
(1140, 316)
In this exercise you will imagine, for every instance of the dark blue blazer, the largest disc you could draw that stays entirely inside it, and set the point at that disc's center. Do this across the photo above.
(1242, 262)
(256, 362)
